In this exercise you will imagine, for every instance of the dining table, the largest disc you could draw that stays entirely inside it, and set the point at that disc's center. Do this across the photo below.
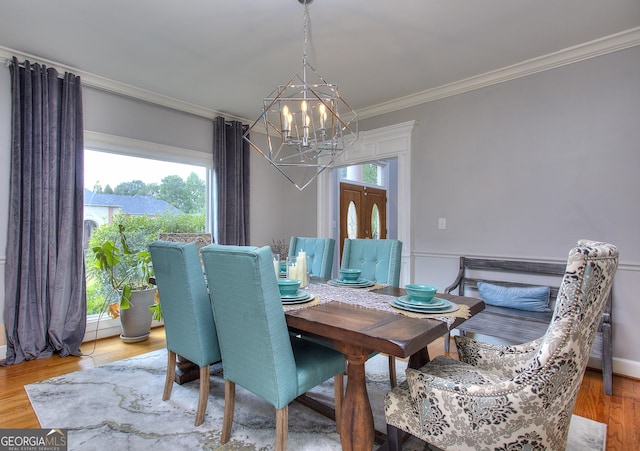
(358, 330)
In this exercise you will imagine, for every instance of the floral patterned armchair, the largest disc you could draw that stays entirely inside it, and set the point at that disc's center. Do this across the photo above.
(510, 397)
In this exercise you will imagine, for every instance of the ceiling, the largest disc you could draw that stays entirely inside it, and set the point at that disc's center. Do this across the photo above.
(225, 56)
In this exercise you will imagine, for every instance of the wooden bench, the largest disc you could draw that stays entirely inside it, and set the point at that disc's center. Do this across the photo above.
(521, 326)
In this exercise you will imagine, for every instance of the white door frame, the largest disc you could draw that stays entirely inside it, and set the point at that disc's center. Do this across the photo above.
(383, 143)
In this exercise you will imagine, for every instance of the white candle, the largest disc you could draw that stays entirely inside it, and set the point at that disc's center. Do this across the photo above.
(292, 271)
(302, 268)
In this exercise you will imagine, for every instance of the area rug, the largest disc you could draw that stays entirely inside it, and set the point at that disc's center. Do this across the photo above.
(119, 406)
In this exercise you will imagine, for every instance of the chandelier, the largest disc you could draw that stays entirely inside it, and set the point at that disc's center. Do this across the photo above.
(308, 124)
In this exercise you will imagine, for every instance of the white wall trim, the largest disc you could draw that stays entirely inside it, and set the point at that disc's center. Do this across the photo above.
(627, 368)
(105, 84)
(624, 266)
(137, 148)
(394, 141)
(106, 327)
(608, 44)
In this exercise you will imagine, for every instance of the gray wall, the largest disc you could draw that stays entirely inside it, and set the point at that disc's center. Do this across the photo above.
(520, 169)
(122, 116)
(525, 168)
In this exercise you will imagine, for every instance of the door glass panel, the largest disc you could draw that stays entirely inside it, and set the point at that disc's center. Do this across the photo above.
(352, 221)
(375, 222)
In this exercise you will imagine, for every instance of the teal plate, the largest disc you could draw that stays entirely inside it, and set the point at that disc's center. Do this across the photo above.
(360, 283)
(298, 301)
(434, 304)
(447, 309)
(300, 295)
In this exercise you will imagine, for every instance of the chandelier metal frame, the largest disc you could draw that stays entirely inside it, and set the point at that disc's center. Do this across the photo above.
(308, 124)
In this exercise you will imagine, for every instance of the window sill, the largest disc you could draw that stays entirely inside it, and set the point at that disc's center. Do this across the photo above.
(106, 327)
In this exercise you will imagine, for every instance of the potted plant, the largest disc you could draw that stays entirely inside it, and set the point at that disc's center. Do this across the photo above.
(131, 295)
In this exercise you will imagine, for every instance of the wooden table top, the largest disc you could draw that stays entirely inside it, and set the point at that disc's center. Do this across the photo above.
(390, 333)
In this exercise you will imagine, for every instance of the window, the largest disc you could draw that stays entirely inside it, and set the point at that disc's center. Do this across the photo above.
(164, 188)
(368, 173)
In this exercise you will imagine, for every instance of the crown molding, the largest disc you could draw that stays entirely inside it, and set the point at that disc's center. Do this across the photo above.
(608, 44)
(116, 87)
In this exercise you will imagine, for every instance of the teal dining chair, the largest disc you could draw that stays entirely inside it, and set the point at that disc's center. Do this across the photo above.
(319, 251)
(379, 260)
(188, 317)
(258, 352)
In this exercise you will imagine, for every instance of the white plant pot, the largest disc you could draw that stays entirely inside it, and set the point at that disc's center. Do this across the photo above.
(136, 320)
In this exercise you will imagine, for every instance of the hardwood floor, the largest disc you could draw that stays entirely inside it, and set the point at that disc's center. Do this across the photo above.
(621, 411)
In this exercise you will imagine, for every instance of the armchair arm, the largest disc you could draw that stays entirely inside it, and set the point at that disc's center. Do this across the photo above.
(500, 359)
(471, 411)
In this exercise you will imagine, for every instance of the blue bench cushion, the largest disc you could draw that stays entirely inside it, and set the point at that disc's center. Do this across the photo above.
(534, 299)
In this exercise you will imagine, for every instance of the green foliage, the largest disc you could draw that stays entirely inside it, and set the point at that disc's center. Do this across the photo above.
(188, 196)
(129, 188)
(156, 311)
(370, 173)
(107, 247)
(126, 270)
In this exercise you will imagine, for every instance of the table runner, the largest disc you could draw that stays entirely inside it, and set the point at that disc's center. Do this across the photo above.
(366, 299)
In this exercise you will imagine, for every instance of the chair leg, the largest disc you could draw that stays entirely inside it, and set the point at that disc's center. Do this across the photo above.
(447, 343)
(203, 395)
(392, 371)
(394, 438)
(171, 375)
(338, 392)
(607, 359)
(229, 406)
(282, 428)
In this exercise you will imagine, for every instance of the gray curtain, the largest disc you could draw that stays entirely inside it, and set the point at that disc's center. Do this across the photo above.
(45, 304)
(231, 178)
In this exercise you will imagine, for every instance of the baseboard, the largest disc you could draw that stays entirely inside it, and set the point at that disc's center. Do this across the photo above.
(627, 368)
(3, 352)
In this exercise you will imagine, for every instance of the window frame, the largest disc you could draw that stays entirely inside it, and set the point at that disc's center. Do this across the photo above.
(101, 327)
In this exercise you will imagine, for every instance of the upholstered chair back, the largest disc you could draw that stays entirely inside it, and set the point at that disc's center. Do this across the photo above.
(545, 386)
(188, 317)
(255, 343)
(319, 252)
(564, 350)
(379, 260)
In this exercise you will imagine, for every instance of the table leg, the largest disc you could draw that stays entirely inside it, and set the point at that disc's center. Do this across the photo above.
(186, 371)
(419, 359)
(356, 426)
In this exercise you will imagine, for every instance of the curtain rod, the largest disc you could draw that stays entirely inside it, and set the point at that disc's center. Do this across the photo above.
(9, 63)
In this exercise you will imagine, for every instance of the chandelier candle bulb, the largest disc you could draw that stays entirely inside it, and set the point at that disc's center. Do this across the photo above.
(323, 117)
(286, 120)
